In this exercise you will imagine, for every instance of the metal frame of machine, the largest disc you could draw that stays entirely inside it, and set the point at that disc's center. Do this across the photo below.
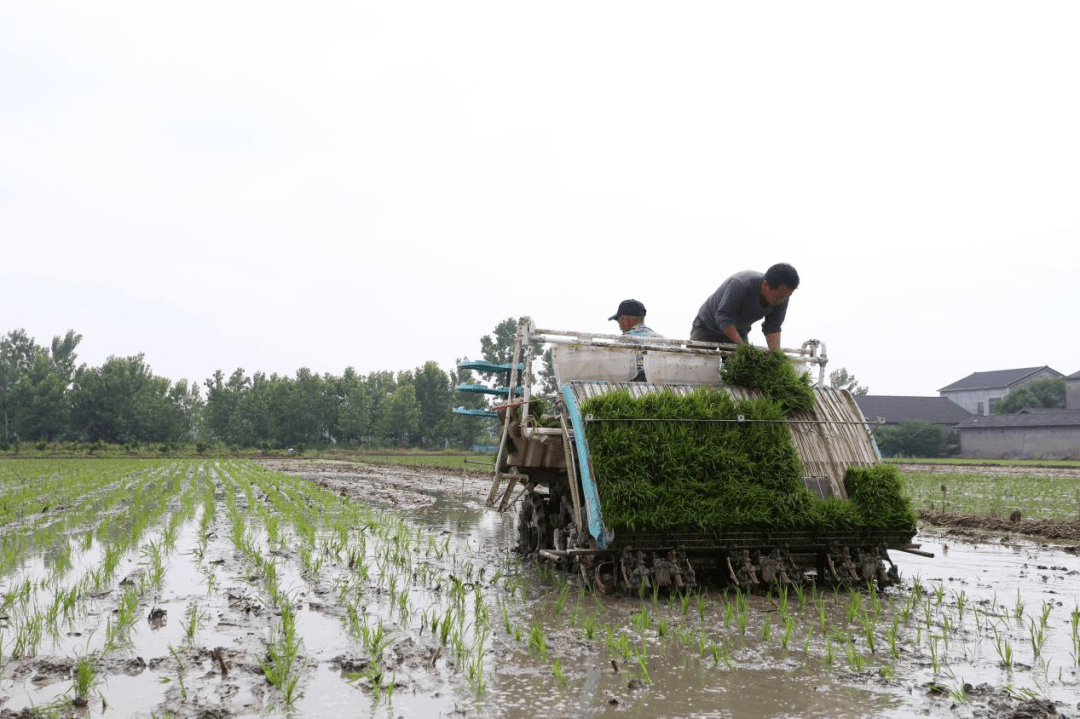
(561, 518)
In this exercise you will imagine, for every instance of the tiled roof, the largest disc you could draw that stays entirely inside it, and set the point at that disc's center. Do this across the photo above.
(1060, 418)
(900, 409)
(1074, 375)
(997, 379)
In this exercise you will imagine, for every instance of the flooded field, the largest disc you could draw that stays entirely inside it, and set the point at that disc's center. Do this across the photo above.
(205, 588)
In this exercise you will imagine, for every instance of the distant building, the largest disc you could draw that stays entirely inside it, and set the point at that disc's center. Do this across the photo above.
(1031, 433)
(895, 409)
(979, 392)
(1072, 391)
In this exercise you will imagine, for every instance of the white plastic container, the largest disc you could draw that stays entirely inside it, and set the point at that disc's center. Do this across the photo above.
(680, 368)
(592, 364)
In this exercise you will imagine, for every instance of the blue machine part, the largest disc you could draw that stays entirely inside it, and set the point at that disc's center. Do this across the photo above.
(502, 391)
(476, 412)
(485, 366)
(588, 485)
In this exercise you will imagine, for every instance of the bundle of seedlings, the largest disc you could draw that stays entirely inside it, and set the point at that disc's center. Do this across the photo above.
(876, 492)
(672, 462)
(773, 374)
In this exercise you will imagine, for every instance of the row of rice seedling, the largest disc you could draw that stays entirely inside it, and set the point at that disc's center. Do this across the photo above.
(53, 601)
(391, 579)
(932, 634)
(1034, 496)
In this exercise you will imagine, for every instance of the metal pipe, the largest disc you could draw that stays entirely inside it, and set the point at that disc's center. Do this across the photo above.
(917, 552)
(657, 343)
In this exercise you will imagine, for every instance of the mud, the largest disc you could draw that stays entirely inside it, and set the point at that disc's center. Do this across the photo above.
(597, 655)
(1006, 469)
(1066, 532)
(770, 685)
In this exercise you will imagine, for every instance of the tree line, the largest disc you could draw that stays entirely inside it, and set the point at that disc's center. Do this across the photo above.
(45, 396)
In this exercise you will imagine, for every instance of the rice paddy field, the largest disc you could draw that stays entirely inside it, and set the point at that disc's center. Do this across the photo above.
(1036, 492)
(221, 588)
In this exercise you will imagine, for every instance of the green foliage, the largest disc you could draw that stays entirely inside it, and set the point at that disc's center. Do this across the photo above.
(912, 438)
(498, 348)
(773, 374)
(661, 464)
(123, 400)
(841, 379)
(401, 422)
(1047, 393)
(877, 493)
(45, 397)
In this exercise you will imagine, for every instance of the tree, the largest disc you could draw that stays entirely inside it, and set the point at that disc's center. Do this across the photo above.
(380, 386)
(498, 348)
(435, 396)
(354, 409)
(223, 399)
(841, 379)
(18, 356)
(42, 402)
(401, 420)
(122, 401)
(912, 438)
(1048, 393)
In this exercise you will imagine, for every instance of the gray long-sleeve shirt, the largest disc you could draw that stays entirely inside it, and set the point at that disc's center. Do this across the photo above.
(738, 302)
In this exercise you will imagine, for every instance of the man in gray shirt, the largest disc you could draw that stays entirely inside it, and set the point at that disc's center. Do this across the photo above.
(745, 298)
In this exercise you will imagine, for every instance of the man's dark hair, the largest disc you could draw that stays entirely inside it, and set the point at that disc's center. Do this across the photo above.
(782, 274)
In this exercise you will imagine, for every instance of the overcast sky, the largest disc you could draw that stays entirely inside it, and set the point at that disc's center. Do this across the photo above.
(271, 186)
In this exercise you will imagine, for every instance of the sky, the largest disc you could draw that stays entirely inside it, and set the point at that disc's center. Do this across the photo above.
(268, 186)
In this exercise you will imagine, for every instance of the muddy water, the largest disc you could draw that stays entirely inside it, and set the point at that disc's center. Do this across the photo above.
(560, 651)
(944, 658)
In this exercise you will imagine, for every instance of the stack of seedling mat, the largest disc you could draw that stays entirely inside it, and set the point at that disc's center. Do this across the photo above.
(672, 461)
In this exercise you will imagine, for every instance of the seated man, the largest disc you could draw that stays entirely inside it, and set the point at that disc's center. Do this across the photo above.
(631, 318)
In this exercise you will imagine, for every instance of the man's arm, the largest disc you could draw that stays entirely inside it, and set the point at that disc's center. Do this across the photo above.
(733, 334)
(773, 341)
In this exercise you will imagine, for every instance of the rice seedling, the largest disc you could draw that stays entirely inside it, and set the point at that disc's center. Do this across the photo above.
(560, 600)
(193, 619)
(641, 619)
(537, 644)
(854, 605)
(1037, 634)
(87, 676)
(868, 631)
(1074, 624)
(1044, 615)
(856, 662)
(789, 627)
(283, 664)
(556, 668)
(894, 649)
(589, 626)
(961, 602)
(935, 657)
(643, 668)
(180, 671)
